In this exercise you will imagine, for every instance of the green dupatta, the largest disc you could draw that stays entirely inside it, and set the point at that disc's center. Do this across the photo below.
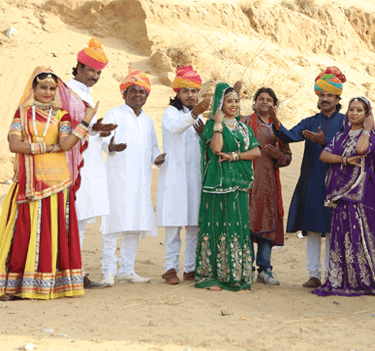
(226, 176)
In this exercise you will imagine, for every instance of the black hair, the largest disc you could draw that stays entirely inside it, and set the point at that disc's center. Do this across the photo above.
(42, 76)
(176, 102)
(268, 91)
(75, 69)
(229, 90)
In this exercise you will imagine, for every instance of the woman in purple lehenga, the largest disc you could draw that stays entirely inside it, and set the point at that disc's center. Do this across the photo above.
(351, 194)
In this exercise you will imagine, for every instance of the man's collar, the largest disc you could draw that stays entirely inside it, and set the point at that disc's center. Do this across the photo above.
(332, 115)
(82, 86)
(129, 109)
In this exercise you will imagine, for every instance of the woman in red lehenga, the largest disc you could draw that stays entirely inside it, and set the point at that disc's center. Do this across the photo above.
(40, 256)
(266, 205)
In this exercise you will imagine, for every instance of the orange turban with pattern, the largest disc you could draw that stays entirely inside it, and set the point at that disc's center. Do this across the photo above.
(94, 55)
(186, 77)
(135, 78)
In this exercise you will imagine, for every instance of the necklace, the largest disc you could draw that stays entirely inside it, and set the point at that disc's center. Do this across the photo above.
(41, 139)
(42, 104)
(230, 121)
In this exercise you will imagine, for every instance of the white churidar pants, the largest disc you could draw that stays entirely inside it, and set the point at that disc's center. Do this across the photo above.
(313, 261)
(172, 245)
(82, 224)
(128, 253)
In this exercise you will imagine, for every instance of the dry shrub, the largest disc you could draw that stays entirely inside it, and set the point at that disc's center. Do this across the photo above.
(288, 4)
(305, 4)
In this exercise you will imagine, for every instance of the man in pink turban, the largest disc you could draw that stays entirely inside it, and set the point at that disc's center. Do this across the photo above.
(92, 197)
(179, 180)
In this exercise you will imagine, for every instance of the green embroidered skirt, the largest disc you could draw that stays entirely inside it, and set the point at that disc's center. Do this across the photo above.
(224, 248)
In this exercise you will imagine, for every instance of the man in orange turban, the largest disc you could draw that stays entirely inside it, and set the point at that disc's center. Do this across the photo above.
(307, 212)
(179, 182)
(129, 180)
(92, 197)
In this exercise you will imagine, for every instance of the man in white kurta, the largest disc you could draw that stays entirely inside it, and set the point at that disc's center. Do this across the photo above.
(92, 196)
(179, 180)
(129, 180)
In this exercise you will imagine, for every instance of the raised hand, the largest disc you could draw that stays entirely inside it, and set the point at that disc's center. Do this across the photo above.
(238, 86)
(101, 127)
(273, 116)
(90, 113)
(202, 106)
(160, 159)
(368, 124)
(315, 137)
(272, 151)
(112, 147)
(199, 127)
(218, 116)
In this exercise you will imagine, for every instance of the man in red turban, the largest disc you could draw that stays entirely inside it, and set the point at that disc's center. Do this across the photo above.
(92, 196)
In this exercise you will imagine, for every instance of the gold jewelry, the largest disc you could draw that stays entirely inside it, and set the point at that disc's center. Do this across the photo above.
(218, 127)
(81, 132)
(366, 133)
(48, 79)
(41, 139)
(233, 92)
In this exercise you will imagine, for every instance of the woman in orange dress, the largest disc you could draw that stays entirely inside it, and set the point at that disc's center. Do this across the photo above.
(40, 256)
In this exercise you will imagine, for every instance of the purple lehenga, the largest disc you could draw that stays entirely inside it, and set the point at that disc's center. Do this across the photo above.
(351, 195)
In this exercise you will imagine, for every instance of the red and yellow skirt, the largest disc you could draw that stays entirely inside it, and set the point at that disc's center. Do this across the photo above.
(40, 256)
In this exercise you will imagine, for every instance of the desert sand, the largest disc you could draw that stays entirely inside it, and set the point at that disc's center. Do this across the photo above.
(281, 44)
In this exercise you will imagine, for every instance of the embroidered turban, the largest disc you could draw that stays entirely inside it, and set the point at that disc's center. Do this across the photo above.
(94, 55)
(186, 77)
(331, 81)
(135, 78)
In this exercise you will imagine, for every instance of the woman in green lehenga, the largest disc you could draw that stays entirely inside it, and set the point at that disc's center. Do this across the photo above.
(224, 250)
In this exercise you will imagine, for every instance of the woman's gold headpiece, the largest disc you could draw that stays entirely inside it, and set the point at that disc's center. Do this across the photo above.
(48, 79)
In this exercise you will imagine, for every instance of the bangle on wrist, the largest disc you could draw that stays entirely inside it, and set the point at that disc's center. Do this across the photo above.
(366, 133)
(85, 123)
(53, 148)
(80, 131)
(193, 115)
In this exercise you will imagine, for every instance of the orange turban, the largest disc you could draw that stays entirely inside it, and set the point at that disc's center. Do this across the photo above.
(135, 78)
(186, 77)
(94, 55)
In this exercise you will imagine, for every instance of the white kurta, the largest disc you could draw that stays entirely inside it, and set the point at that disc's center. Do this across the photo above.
(129, 172)
(179, 180)
(92, 196)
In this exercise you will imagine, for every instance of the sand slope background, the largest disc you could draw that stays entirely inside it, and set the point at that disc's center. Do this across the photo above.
(282, 44)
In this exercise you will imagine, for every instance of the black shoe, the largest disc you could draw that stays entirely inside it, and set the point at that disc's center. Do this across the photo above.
(88, 284)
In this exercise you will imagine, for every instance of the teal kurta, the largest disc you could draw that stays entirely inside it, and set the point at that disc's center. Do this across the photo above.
(224, 249)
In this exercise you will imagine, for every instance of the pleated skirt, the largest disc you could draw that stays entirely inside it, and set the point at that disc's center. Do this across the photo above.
(40, 256)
